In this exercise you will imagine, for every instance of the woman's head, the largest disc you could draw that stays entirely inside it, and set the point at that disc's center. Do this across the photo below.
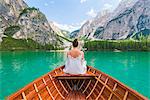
(75, 43)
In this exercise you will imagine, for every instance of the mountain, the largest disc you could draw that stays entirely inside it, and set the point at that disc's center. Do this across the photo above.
(130, 18)
(58, 31)
(20, 21)
(74, 33)
(90, 26)
(9, 10)
(62, 35)
(123, 5)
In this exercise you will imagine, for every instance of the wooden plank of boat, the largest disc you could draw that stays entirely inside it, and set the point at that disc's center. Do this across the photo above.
(94, 85)
(64, 76)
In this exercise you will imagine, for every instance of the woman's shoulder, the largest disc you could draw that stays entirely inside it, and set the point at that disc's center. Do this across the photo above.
(75, 51)
(81, 52)
(68, 53)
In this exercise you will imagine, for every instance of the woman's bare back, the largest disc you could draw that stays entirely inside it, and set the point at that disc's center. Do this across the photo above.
(76, 65)
(75, 53)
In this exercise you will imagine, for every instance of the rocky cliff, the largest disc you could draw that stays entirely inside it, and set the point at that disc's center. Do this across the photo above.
(90, 26)
(59, 31)
(9, 11)
(130, 18)
(74, 33)
(31, 22)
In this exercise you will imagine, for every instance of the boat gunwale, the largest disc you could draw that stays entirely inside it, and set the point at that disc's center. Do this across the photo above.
(124, 86)
(15, 94)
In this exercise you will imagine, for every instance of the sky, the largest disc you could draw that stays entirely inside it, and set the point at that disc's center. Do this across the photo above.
(72, 14)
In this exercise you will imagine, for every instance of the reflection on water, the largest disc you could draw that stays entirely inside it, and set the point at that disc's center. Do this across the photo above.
(16, 66)
(23, 67)
(131, 68)
(92, 61)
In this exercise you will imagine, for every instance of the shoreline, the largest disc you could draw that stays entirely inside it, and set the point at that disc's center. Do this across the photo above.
(116, 50)
(58, 51)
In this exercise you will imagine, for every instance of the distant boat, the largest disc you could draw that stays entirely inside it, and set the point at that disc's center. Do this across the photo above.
(94, 85)
(116, 50)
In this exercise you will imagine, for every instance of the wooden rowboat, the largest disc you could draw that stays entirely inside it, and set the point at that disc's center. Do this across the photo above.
(94, 85)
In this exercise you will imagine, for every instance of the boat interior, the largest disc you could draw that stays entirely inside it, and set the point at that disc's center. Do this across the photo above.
(94, 85)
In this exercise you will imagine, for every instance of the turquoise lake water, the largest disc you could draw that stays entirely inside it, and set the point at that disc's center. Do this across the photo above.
(19, 68)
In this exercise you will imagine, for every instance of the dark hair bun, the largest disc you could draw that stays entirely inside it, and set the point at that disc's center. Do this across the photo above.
(76, 40)
(75, 43)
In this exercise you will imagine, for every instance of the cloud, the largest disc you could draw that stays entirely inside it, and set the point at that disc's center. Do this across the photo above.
(72, 27)
(48, 3)
(120, 0)
(52, 2)
(107, 6)
(91, 13)
(82, 1)
(45, 4)
(67, 27)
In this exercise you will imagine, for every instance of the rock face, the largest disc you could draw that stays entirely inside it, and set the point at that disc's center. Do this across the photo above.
(127, 19)
(89, 28)
(9, 11)
(33, 23)
(57, 30)
(74, 33)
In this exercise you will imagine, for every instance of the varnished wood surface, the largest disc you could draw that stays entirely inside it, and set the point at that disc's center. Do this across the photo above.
(94, 85)
(64, 76)
(76, 95)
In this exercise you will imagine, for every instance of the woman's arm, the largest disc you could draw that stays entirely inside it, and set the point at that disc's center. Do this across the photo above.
(68, 53)
(82, 55)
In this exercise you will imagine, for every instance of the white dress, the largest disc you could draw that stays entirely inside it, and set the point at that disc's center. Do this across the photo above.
(75, 65)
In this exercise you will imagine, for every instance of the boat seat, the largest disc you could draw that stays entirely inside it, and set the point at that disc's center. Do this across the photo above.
(63, 76)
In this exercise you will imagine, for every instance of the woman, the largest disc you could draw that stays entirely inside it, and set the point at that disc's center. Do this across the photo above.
(75, 63)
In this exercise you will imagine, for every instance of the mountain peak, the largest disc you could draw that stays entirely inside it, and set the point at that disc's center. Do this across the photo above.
(30, 23)
(131, 16)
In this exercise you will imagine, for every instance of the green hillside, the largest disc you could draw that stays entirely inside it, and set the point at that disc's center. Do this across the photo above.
(10, 43)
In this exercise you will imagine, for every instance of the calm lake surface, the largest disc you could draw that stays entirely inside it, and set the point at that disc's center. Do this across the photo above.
(19, 68)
